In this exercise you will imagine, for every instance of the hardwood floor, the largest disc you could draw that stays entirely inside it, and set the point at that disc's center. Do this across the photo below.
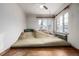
(46, 51)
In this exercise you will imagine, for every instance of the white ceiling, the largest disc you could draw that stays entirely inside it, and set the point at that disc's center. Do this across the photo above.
(34, 8)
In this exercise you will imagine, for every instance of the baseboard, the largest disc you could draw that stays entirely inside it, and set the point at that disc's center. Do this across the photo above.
(1, 54)
(74, 47)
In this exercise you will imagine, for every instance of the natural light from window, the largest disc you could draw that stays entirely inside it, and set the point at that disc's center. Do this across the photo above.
(62, 23)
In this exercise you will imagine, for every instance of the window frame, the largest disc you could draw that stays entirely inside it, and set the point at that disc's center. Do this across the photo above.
(48, 22)
(63, 31)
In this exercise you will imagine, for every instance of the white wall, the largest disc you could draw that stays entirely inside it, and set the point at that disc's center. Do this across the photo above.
(73, 37)
(32, 22)
(12, 23)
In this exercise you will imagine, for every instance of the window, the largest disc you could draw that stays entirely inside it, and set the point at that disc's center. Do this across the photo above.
(62, 23)
(66, 22)
(39, 21)
(46, 24)
(50, 25)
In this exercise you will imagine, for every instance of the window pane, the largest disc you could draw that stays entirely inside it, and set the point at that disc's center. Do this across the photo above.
(39, 22)
(50, 25)
(66, 22)
(60, 24)
(44, 24)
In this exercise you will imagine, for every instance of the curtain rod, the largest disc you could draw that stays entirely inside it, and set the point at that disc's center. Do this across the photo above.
(44, 17)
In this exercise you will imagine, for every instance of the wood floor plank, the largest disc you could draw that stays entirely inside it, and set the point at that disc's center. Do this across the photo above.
(46, 51)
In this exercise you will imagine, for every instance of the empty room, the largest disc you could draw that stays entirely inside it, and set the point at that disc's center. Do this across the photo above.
(39, 29)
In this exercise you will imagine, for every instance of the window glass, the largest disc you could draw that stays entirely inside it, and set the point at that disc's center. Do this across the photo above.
(66, 22)
(39, 21)
(60, 24)
(46, 24)
(50, 25)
